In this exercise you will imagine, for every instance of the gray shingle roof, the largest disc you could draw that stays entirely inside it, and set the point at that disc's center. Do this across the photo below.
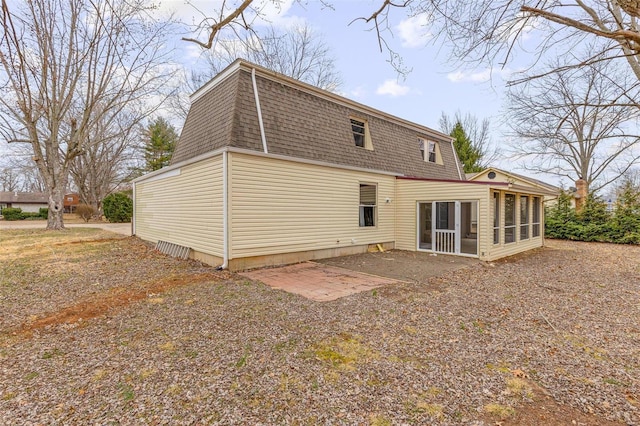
(23, 197)
(304, 122)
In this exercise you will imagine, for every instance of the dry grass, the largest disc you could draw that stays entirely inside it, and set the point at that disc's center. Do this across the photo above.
(97, 328)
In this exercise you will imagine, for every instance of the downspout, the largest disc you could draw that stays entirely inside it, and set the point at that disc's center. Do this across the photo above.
(455, 154)
(133, 218)
(255, 94)
(225, 217)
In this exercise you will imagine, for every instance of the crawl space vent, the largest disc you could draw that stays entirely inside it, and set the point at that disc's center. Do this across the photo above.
(173, 250)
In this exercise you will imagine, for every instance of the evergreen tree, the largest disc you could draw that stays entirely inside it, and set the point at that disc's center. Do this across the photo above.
(626, 220)
(160, 141)
(467, 151)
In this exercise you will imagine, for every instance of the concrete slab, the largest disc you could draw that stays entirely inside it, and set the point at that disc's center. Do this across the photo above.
(318, 282)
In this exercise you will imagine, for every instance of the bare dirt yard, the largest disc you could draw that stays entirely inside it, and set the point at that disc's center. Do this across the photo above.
(98, 328)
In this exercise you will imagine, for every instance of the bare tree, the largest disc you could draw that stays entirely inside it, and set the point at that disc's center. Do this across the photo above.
(107, 159)
(568, 124)
(19, 171)
(477, 30)
(65, 66)
(10, 179)
(493, 31)
(298, 52)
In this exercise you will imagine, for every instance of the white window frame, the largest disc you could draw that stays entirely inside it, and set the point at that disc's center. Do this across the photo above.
(536, 211)
(496, 218)
(362, 207)
(514, 220)
(432, 152)
(524, 221)
(360, 123)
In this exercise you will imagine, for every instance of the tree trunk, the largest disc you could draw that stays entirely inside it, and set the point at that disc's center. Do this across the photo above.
(55, 219)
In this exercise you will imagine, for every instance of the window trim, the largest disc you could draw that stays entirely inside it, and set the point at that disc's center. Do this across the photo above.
(524, 221)
(434, 152)
(364, 124)
(429, 150)
(515, 223)
(496, 217)
(361, 206)
(535, 225)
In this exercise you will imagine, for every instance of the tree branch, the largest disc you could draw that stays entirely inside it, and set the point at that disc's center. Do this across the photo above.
(217, 27)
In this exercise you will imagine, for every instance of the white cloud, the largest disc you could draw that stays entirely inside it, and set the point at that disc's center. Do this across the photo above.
(479, 76)
(358, 92)
(414, 31)
(393, 88)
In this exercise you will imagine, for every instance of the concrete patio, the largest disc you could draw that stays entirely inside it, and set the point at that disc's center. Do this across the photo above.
(318, 282)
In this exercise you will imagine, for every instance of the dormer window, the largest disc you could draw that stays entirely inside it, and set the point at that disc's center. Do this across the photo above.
(432, 152)
(429, 151)
(360, 132)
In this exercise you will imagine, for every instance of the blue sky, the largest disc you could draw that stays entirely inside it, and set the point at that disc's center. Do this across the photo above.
(435, 85)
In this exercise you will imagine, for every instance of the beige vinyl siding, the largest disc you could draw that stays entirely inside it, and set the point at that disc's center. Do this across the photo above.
(280, 206)
(502, 250)
(410, 192)
(184, 209)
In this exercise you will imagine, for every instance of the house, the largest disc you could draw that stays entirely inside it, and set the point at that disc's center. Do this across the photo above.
(269, 170)
(71, 201)
(33, 201)
(30, 202)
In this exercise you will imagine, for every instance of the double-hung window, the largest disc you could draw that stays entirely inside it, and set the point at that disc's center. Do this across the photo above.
(509, 218)
(524, 217)
(359, 133)
(535, 222)
(428, 150)
(368, 197)
(432, 152)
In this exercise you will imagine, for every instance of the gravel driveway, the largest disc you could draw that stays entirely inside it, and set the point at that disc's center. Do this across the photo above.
(550, 337)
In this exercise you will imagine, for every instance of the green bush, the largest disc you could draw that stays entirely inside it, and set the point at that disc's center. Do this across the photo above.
(594, 222)
(31, 215)
(44, 212)
(117, 207)
(11, 213)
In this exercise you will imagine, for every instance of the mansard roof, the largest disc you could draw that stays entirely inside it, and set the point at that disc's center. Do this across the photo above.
(302, 121)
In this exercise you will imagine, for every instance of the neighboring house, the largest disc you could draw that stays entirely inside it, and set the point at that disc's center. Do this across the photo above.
(269, 170)
(71, 201)
(30, 202)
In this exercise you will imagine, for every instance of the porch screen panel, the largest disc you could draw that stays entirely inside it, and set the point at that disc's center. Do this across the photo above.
(496, 218)
(524, 217)
(535, 223)
(509, 218)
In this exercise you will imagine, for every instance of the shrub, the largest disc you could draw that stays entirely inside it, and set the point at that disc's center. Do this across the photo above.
(117, 207)
(31, 215)
(85, 211)
(594, 222)
(11, 213)
(44, 212)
